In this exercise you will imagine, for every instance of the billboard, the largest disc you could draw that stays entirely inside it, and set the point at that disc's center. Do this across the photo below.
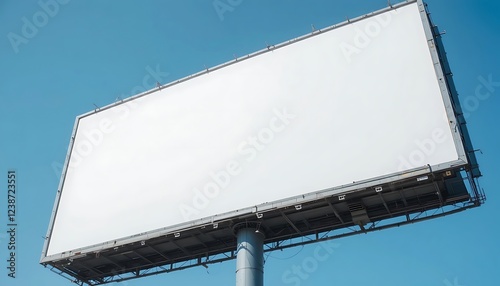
(336, 112)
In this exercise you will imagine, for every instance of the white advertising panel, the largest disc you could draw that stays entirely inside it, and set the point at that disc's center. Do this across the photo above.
(348, 104)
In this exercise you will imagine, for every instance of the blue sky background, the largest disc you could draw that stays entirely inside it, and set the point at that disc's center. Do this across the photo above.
(91, 52)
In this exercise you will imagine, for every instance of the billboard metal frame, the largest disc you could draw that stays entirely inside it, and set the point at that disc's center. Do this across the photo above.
(362, 207)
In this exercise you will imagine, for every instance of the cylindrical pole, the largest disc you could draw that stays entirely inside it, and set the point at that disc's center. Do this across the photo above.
(250, 258)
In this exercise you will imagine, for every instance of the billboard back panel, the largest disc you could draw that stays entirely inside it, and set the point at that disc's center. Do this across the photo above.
(349, 104)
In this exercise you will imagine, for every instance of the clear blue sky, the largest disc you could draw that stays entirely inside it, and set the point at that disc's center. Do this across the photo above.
(91, 52)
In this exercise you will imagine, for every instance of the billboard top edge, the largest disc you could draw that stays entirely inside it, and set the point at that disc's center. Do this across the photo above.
(268, 49)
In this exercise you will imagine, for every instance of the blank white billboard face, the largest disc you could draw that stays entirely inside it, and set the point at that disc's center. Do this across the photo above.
(353, 103)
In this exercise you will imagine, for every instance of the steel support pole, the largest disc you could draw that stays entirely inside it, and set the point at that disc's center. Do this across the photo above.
(250, 258)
